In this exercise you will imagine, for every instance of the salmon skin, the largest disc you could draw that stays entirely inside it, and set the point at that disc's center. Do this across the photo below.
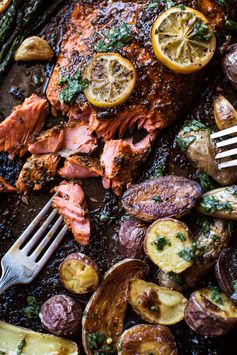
(161, 96)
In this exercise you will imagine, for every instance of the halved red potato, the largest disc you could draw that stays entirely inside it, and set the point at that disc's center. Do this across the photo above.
(155, 304)
(210, 313)
(146, 339)
(79, 273)
(168, 244)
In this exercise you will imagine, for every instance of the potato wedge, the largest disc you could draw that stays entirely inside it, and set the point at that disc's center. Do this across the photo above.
(210, 313)
(155, 304)
(146, 339)
(79, 273)
(224, 113)
(166, 196)
(220, 203)
(194, 140)
(211, 238)
(131, 236)
(102, 322)
(168, 244)
(35, 343)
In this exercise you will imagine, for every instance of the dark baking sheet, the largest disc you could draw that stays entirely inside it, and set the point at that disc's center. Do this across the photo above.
(15, 213)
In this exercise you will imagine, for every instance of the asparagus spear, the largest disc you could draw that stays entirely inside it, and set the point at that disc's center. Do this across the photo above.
(7, 20)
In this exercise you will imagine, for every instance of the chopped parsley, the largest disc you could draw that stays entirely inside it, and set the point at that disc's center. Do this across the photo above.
(221, 2)
(184, 142)
(33, 308)
(181, 236)
(20, 346)
(205, 181)
(211, 204)
(203, 224)
(157, 199)
(215, 238)
(176, 277)
(201, 31)
(115, 38)
(216, 295)
(153, 4)
(106, 216)
(161, 242)
(186, 253)
(231, 25)
(73, 86)
(234, 285)
(168, 4)
(159, 170)
(154, 308)
(97, 341)
(232, 190)
(193, 126)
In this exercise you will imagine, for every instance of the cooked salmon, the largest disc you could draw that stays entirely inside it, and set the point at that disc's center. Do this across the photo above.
(72, 138)
(160, 97)
(36, 172)
(24, 121)
(80, 167)
(71, 204)
(120, 158)
(5, 187)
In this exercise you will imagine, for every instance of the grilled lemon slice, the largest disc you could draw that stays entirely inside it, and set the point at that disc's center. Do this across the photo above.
(183, 40)
(112, 79)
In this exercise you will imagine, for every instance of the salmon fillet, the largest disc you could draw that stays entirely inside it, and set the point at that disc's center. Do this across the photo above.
(160, 97)
(24, 121)
(71, 204)
(80, 167)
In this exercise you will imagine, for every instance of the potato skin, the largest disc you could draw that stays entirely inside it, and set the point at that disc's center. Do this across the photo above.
(61, 315)
(204, 322)
(85, 260)
(131, 235)
(224, 112)
(133, 337)
(178, 196)
(229, 64)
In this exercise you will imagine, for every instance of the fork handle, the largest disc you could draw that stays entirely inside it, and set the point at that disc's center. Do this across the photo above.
(7, 279)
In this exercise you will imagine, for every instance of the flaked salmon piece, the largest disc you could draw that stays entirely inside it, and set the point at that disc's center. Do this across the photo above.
(80, 167)
(24, 121)
(5, 187)
(120, 159)
(72, 138)
(158, 98)
(36, 172)
(71, 205)
(50, 141)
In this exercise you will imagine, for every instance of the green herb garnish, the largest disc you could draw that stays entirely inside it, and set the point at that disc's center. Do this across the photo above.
(216, 296)
(176, 277)
(161, 242)
(159, 170)
(201, 31)
(211, 204)
(232, 190)
(187, 254)
(154, 308)
(33, 308)
(193, 126)
(20, 346)
(205, 181)
(184, 142)
(115, 38)
(181, 236)
(73, 86)
(203, 224)
(215, 238)
(106, 217)
(234, 285)
(153, 4)
(221, 2)
(157, 199)
(97, 341)
(231, 25)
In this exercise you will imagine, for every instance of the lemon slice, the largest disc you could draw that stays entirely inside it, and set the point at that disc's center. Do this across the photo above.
(182, 40)
(112, 79)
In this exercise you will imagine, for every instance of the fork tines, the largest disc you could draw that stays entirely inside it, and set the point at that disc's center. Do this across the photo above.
(226, 142)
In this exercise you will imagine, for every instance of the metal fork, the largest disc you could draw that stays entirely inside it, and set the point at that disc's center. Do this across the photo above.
(224, 143)
(22, 263)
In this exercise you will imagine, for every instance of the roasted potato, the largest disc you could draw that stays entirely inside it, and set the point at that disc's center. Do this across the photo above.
(155, 304)
(210, 313)
(225, 114)
(79, 273)
(166, 196)
(226, 272)
(61, 315)
(144, 339)
(4, 4)
(102, 322)
(194, 140)
(131, 236)
(220, 203)
(229, 64)
(33, 48)
(168, 244)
